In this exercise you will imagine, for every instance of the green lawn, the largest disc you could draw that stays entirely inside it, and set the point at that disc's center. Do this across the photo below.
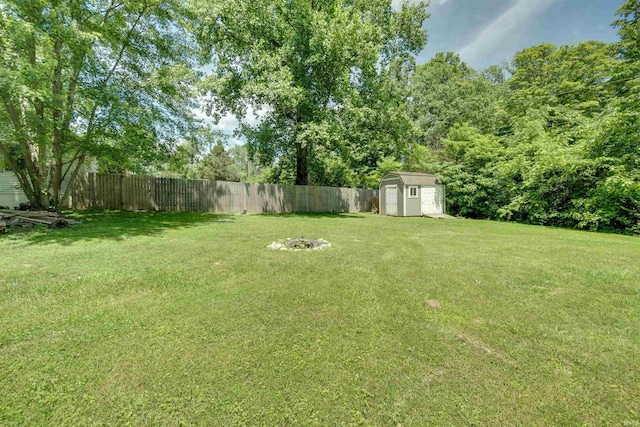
(169, 319)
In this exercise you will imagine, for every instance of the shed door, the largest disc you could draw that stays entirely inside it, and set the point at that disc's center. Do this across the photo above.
(429, 202)
(391, 200)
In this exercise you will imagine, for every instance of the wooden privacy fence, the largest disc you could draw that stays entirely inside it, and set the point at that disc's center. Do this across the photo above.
(137, 192)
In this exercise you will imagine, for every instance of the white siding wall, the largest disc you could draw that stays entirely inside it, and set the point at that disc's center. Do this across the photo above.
(10, 196)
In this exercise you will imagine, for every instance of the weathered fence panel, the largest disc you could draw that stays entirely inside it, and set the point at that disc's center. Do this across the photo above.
(138, 192)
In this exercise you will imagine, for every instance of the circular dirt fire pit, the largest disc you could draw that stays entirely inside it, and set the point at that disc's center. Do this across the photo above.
(299, 244)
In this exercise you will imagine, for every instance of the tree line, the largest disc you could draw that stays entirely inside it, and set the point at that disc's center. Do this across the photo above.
(550, 137)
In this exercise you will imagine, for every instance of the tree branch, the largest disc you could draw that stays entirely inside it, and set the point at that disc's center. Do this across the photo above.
(38, 106)
(57, 117)
(79, 154)
(125, 45)
(72, 179)
(105, 82)
(22, 139)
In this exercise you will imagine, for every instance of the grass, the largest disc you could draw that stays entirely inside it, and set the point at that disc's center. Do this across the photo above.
(187, 319)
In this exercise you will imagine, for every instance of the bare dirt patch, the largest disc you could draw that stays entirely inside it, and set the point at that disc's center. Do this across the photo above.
(435, 304)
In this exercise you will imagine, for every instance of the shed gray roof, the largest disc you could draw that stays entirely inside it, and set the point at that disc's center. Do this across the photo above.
(409, 178)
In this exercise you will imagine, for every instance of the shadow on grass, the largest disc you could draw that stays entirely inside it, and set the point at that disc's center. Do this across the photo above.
(315, 215)
(117, 225)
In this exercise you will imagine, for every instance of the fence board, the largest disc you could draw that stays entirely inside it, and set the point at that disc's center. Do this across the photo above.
(139, 192)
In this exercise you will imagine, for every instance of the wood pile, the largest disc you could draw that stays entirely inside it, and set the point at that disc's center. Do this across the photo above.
(27, 219)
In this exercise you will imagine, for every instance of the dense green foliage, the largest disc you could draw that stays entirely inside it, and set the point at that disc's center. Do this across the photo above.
(327, 93)
(90, 78)
(318, 70)
(203, 156)
(445, 91)
(555, 143)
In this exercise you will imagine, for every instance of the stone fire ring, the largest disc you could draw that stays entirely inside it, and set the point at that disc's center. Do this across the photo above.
(299, 245)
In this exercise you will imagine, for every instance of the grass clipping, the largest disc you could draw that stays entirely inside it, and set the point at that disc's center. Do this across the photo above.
(300, 244)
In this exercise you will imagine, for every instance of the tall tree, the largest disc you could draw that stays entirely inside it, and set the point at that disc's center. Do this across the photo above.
(247, 166)
(616, 203)
(565, 80)
(378, 125)
(78, 78)
(186, 157)
(218, 165)
(302, 62)
(623, 141)
(446, 91)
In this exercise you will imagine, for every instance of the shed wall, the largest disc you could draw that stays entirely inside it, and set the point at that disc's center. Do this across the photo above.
(391, 180)
(413, 206)
(402, 206)
(410, 206)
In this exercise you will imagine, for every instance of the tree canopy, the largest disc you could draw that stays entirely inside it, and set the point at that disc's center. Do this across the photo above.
(446, 91)
(303, 63)
(78, 78)
(550, 137)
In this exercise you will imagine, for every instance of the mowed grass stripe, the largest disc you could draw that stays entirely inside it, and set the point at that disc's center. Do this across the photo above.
(164, 318)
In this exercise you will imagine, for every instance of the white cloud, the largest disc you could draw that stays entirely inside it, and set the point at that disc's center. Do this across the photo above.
(229, 123)
(255, 117)
(500, 39)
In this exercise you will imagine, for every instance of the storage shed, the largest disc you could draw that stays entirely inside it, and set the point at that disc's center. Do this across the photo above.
(411, 194)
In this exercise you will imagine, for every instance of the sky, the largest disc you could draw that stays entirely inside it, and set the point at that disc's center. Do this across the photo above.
(487, 32)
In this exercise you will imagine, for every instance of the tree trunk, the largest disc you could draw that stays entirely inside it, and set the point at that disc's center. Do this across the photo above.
(58, 130)
(302, 165)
